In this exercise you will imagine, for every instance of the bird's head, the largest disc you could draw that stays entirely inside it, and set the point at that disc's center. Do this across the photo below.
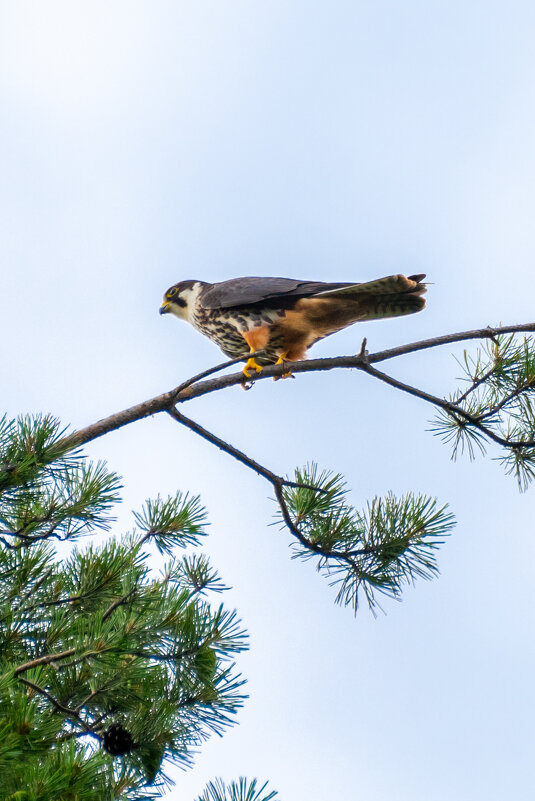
(180, 299)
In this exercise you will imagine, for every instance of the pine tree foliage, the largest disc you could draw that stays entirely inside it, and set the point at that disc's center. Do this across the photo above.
(499, 404)
(242, 790)
(47, 492)
(378, 550)
(95, 649)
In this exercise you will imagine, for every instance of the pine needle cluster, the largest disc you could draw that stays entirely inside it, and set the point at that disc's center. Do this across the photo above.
(374, 551)
(242, 790)
(498, 405)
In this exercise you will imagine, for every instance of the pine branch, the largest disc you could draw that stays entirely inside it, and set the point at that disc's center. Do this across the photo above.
(379, 550)
(451, 408)
(516, 393)
(176, 521)
(357, 570)
(476, 383)
(71, 713)
(44, 660)
(97, 638)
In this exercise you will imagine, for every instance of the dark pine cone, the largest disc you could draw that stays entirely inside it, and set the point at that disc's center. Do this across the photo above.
(117, 741)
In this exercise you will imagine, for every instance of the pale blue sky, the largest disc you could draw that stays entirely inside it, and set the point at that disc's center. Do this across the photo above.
(146, 143)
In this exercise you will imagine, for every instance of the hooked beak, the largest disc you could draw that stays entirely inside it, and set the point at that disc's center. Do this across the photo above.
(164, 308)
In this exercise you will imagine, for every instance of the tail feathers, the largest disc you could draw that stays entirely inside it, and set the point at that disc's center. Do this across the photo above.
(391, 285)
(379, 307)
(393, 296)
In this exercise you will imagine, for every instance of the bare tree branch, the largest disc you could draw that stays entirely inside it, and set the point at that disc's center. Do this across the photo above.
(195, 388)
(237, 454)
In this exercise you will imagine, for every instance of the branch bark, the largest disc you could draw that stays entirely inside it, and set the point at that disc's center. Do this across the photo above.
(201, 385)
(195, 387)
(232, 451)
(44, 660)
(72, 714)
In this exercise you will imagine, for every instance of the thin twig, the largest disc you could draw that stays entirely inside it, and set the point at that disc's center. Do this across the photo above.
(90, 697)
(449, 407)
(119, 602)
(218, 367)
(92, 731)
(476, 382)
(71, 713)
(8, 544)
(504, 401)
(83, 658)
(237, 454)
(75, 734)
(29, 539)
(344, 556)
(54, 701)
(57, 602)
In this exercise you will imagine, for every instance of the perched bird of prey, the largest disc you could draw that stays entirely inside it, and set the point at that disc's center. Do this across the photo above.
(284, 317)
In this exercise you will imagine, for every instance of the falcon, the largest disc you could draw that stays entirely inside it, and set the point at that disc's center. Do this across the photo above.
(283, 317)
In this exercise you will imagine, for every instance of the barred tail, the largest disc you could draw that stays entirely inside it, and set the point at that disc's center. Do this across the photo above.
(392, 296)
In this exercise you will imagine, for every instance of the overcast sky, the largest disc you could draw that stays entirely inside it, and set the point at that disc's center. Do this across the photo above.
(144, 143)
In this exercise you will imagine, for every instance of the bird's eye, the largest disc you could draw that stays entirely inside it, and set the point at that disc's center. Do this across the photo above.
(172, 292)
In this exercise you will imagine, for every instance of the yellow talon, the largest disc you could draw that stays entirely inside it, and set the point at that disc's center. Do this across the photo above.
(251, 365)
(280, 360)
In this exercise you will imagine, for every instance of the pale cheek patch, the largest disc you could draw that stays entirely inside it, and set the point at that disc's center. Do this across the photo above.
(179, 311)
(185, 310)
